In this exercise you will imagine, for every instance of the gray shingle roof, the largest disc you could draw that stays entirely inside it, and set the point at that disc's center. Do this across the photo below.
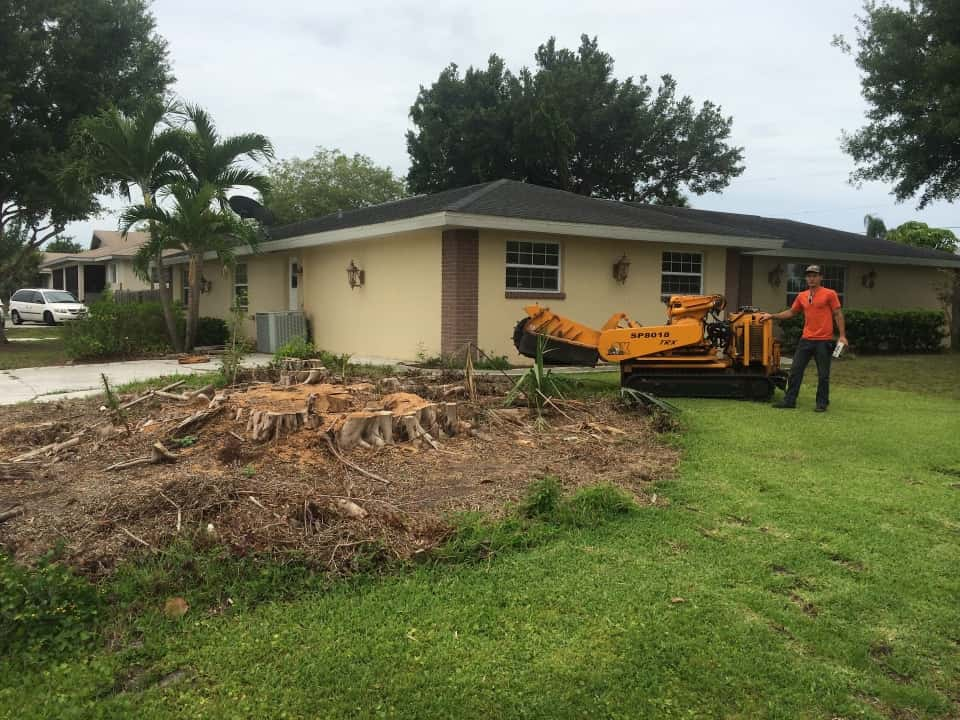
(518, 200)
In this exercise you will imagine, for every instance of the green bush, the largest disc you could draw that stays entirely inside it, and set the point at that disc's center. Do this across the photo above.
(212, 331)
(118, 330)
(882, 331)
(45, 609)
(298, 347)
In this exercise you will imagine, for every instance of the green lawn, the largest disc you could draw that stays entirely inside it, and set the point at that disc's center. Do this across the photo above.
(33, 353)
(816, 557)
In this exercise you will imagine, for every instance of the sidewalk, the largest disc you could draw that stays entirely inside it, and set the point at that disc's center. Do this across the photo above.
(61, 382)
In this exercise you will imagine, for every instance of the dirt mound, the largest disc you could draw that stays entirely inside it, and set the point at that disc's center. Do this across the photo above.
(299, 490)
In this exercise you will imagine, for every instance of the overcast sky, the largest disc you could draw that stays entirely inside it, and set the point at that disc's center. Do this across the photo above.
(344, 74)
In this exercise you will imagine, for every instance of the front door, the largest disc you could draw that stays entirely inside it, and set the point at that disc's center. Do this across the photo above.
(293, 282)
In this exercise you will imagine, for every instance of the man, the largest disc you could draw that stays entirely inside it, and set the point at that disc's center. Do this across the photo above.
(821, 308)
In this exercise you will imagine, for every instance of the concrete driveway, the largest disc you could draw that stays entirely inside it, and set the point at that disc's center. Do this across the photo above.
(61, 382)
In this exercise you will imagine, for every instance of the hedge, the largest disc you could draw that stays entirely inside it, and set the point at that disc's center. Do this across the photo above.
(882, 331)
(114, 329)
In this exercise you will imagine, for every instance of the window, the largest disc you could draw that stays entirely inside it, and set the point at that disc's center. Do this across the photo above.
(834, 277)
(681, 274)
(185, 286)
(22, 296)
(112, 273)
(533, 266)
(241, 291)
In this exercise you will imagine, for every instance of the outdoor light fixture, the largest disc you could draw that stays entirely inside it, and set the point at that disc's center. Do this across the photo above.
(205, 285)
(869, 279)
(775, 276)
(355, 276)
(621, 269)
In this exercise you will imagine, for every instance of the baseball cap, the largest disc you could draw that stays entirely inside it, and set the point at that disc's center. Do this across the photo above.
(812, 269)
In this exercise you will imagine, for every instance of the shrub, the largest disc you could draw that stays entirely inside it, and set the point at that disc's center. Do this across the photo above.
(542, 498)
(883, 331)
(118, 329)
(46, 608)
(212, 331)
(298, 347)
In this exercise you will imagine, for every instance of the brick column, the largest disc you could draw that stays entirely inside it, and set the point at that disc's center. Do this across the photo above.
(459, 295)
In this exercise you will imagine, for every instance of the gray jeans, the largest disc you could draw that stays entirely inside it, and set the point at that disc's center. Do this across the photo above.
(820, 351)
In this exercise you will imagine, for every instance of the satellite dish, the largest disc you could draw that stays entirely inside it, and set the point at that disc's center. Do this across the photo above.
(250, 209)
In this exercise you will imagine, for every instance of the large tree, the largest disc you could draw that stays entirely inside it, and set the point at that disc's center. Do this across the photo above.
(570, 124)
(919, 234)
(63, 244)
(910, 61)
(61, 60)
(326, 182)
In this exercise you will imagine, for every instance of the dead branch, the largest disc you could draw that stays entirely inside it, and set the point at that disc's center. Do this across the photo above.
(179, 511)
(138, 539)
(11, 471)
(12, 513)
(352, 466)
(197, 420)
(51, 449)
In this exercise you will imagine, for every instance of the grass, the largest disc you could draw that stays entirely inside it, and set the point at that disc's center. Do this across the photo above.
(34, 353)
(806, 567)
(191, 381)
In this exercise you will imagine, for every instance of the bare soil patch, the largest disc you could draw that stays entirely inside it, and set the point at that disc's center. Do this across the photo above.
(298, 492)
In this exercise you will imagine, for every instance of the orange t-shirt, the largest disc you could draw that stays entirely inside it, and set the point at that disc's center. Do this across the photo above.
(817, 312)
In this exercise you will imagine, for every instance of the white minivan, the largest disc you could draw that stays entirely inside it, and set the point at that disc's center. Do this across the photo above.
(44, 305)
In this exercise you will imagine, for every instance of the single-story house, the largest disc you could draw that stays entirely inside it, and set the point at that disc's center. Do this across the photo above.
(108, 263)
(428, 274)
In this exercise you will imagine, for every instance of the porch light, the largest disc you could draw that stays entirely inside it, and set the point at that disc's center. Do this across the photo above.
(621, 269)
(355, 276)
(869, 279)
(775, 276)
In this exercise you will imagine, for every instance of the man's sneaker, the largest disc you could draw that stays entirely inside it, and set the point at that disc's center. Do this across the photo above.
(783, 405)
(821, 408)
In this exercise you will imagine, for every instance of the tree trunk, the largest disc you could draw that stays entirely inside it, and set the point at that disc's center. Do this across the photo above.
(955, 314)
(166, 303)
(193, 312)
(166, 298)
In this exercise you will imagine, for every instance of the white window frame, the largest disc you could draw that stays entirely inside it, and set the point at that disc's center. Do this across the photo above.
(112, 274)
(797, 271)
(246, 272)
(666, 296)
(558, 267)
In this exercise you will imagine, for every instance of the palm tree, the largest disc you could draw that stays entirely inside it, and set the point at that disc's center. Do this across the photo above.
(214, 166)
(876, 228)
(195, 223)
(133, 150)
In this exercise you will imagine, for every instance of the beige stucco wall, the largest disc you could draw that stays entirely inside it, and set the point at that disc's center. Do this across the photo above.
(896, 287)
(267, 279)
(126, 278)
(396, 314)
(592, 294)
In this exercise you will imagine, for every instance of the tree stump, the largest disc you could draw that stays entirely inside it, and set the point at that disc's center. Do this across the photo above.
(294, 371)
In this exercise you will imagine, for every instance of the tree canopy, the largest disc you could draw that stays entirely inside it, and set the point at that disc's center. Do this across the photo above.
(326, 182)
(570, 124)
(875, 227)
(62, 60)
(920, 234)
(63, 244)
(910, 61)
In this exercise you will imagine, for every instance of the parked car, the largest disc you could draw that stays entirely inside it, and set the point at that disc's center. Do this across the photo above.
(45, 305)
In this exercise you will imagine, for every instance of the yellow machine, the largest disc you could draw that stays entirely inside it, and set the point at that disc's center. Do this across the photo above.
(696, 354)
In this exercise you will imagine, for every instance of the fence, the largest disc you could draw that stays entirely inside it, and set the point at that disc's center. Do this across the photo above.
(136, 296)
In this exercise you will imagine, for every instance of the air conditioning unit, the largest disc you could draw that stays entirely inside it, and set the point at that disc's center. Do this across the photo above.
(275, 329)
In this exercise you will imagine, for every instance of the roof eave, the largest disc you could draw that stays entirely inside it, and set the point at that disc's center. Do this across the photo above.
(859, 257)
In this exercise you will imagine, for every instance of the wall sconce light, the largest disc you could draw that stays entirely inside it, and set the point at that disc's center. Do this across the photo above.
(355, 276)
(621, 269)
(869, 279)
(205, 285)
(775, 276)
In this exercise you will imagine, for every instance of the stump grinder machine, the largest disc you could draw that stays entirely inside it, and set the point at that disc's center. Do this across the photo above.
(695, 354)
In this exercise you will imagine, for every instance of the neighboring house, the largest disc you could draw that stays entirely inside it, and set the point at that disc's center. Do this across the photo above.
(428, 274)
(108, 263)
